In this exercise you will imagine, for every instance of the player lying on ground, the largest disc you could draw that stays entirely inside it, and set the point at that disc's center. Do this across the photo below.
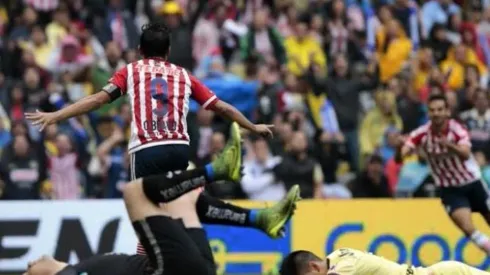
(171, 234)
(447, 146)
(347, 261)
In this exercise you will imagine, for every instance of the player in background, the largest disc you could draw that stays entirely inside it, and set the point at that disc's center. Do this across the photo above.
(172, 235)
(347, 261)
(455, 171)
(159, 94)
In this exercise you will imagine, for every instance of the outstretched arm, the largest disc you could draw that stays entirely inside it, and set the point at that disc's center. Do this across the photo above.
(83, 106)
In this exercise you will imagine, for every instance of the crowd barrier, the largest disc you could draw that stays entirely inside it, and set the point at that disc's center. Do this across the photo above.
(415, 231)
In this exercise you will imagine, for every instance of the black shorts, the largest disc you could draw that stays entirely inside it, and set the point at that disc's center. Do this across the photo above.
(159, 160)
(173, 249)
(473, 195)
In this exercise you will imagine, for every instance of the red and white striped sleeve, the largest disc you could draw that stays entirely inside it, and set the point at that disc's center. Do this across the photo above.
(120, 79)
(415, 138)
(462, 137)
(204, 96)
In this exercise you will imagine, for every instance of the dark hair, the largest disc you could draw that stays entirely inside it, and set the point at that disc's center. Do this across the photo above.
(437, 96)
(155, 40)
(297, 262)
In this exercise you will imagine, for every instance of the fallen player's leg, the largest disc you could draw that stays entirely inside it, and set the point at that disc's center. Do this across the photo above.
(454, 268)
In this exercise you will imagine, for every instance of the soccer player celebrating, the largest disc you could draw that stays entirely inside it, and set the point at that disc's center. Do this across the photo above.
(159, 94)
(346, 261)
(454, 169)
(171, 234)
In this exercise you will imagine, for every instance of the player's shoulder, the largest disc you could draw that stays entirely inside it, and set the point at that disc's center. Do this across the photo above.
(421, 130)
(456, 126)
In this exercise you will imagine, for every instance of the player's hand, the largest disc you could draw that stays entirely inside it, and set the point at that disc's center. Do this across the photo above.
(264, 130)
(400, 140)
(444, 142)
(42, 118)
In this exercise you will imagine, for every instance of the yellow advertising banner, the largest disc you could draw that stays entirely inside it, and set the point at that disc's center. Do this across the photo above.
(415, 231)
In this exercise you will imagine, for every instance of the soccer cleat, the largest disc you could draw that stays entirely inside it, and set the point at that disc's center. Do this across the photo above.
(272, 220)
(228, 164)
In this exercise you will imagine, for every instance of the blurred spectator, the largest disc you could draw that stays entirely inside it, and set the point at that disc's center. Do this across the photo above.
(454, 27)
(70, 59)
(377, 121)
(263, 40)
(182, 31)
(389, 144)
(39, 46)
(421, 68)
(410, 109)
(343, 90)
(330, 153)
(455, 63)
(371, 182)
(259, 182)
(21, 171)
(339, 39)
(114, 163)
(106, 66)
(64, 170)
(119, 26)
(439, 42)
(436, 11)
(466, 95)
(478, 122)
(58, 28)
(393, 50)
(303, 50)
(297, 167)
(27, 20)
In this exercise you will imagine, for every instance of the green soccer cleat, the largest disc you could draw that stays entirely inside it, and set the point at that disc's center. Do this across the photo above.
(228, 164)
(271, 220)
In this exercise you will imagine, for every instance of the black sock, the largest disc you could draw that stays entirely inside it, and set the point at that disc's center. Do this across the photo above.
(167, 187)
(215, 211)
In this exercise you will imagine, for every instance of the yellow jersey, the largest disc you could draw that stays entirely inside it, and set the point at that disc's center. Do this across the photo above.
(346, 261)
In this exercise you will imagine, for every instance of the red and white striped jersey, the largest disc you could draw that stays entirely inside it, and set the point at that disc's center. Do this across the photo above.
(448, 169)
(159, 94)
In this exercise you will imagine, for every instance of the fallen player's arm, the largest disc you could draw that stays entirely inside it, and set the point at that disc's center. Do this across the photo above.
(83, 106)
(233, 114)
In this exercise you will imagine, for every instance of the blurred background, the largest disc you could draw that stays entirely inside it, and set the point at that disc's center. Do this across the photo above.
(339, 79)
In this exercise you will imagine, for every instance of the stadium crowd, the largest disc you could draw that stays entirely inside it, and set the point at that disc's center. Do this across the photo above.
(341, 80)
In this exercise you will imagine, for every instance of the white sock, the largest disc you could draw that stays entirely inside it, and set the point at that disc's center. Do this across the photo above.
(481, 240)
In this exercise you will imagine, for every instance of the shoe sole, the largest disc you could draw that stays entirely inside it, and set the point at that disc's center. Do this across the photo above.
(295, 198)
(237, 142)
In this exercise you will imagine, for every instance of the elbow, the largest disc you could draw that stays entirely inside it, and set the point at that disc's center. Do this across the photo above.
(223, 109)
